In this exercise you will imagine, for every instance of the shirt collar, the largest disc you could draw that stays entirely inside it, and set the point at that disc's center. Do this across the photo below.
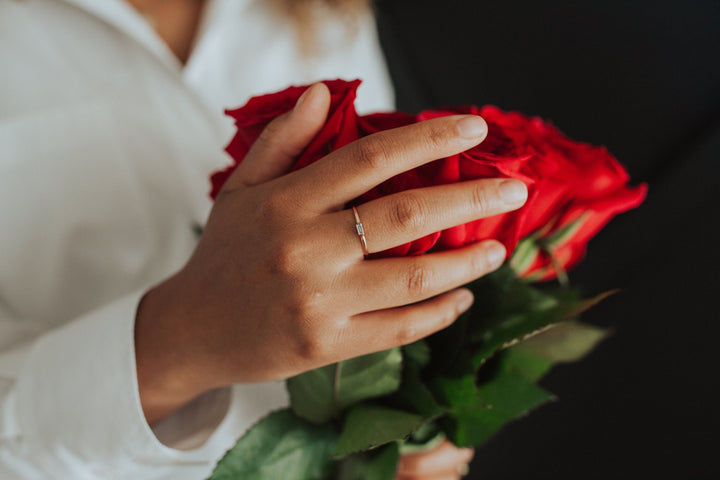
(122, 16)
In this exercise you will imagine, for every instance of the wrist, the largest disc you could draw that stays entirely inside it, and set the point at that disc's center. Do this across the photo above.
(168, 376)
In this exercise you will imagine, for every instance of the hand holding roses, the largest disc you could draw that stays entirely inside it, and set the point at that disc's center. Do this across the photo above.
(278, 284)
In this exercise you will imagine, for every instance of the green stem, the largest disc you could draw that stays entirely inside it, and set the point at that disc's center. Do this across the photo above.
(560, 272)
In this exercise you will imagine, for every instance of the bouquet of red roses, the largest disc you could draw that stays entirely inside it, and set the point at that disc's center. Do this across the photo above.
(352, 419)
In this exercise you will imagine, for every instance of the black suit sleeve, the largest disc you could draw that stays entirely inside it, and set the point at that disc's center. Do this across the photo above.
(643, 78)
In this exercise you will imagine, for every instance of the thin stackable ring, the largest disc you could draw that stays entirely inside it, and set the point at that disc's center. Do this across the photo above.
(360, 232)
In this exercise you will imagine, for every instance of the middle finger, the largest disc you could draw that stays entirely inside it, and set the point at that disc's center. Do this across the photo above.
(358, 167)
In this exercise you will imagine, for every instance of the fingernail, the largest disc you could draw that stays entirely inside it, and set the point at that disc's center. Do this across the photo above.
(472, 127)
(496, 254)
(513, 192)
(303, 97)
(464, 301)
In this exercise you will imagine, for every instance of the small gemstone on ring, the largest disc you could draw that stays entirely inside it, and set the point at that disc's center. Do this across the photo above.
(360, 229)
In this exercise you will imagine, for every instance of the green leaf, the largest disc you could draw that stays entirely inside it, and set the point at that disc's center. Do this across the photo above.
(373, 465)
(368, 426)
(448, 351)
(457, 392)
(528, 365)
(504, 398)
(564, 342)
(413, 395)
(417, 354)
(500, 334)
(501, 292)
(279, 446)
(323, 393)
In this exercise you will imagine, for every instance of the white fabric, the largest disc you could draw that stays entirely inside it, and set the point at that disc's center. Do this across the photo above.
(106, 145)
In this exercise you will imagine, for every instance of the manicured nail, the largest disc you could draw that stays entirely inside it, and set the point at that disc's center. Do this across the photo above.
(465, 299)
(472, 127)
(496, 254)
(513, 192)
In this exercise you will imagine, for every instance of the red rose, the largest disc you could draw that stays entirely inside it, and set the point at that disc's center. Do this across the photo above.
(574, 189)
(577, 189)
(340, 129)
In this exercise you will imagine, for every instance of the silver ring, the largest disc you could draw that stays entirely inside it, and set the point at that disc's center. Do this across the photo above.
(360, 231)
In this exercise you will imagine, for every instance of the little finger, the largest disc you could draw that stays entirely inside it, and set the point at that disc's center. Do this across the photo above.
(393, 282)
(375, 331)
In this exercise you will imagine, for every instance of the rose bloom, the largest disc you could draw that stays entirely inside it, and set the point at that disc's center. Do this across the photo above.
(574, 188)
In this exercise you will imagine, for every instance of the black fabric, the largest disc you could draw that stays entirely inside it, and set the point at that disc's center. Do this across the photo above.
(643, 78)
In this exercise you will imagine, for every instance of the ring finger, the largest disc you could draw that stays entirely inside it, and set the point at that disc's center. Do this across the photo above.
(406, 216)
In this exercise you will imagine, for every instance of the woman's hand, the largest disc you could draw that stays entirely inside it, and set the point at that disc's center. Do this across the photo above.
(444, 462)
(278, 284)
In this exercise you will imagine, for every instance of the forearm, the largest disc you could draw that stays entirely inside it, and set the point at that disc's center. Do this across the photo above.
(169, 373)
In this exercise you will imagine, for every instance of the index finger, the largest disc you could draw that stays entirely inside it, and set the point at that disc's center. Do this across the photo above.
(352, 170)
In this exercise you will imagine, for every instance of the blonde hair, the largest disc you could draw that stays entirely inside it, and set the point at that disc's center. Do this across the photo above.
(306, 14)
(302, 9)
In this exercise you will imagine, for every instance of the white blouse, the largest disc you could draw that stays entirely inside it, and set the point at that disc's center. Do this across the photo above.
(106, 146)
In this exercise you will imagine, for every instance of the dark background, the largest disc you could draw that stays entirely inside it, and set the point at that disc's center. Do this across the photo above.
(643, 78)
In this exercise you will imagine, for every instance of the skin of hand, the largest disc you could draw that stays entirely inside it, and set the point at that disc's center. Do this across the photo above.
(444, 462)
(278, 283)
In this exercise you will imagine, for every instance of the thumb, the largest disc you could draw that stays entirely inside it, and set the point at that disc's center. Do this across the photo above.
(284, 139)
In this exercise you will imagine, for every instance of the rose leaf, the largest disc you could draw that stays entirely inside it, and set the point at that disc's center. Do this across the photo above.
(457, 392)
(515, 328)
(323, 393)
(414, 396)
(564, 342)
(280, 445)
(380, 464)
(504, 398)
(368, 426)
(417, 354)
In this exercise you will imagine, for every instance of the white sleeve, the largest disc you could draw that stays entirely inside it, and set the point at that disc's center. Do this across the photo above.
(70, 409)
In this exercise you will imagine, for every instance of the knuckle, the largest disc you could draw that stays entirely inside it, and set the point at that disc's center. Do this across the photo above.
(406, 334)
(437, 135)
(408, 212)
(272, 131)
(275, 205)
(481, 200)
(479, 263)
(289, 260)
(448, 317)
(372, 153)
(315, 344)
(418, 280)
(311, 348)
